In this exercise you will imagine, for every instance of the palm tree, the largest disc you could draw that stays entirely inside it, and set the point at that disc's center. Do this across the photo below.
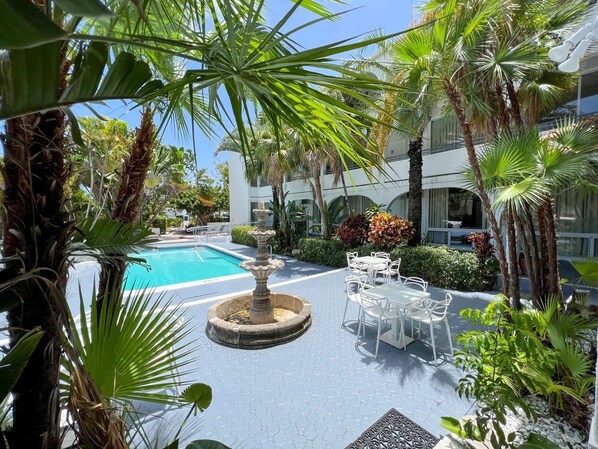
(526, 171)
(253, 64)
(412, 106)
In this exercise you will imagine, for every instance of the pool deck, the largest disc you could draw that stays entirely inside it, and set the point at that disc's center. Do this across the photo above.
(319, 391)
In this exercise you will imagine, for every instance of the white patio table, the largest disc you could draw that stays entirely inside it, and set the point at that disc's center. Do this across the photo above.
(403, 298)
(371, 263)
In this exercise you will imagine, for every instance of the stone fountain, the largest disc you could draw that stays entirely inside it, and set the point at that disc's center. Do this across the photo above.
(261, 319)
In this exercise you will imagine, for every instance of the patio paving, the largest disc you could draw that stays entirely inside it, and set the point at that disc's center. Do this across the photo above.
(319, 391)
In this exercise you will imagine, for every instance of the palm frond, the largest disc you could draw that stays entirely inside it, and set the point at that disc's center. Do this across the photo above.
(134, 349)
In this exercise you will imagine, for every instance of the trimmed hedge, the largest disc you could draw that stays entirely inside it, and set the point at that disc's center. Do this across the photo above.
(164, 222)
(239, 235)
(439, 265)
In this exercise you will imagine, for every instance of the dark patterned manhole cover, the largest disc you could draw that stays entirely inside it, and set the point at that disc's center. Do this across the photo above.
(394, 431)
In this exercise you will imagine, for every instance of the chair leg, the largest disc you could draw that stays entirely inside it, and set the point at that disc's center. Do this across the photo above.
(433, 344)
(359, 318)
(411, 327)
(448, 331)
(345, 314)
(378, 338)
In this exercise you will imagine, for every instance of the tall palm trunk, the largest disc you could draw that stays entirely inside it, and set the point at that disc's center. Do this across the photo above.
(344, 184)
(513, 261)
(535, 251)
(554, 285)
(530, 262)
(320, 201)
(36, 226)
(275, 205)
(415, 188)
(456, 101)
(127, 205)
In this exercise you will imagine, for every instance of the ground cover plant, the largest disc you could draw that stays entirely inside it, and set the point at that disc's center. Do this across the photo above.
(515, 353)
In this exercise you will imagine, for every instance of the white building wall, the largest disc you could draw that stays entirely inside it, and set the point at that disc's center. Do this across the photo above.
(239, 190)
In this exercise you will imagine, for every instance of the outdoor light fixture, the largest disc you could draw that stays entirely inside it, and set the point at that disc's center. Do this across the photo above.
(570, 52)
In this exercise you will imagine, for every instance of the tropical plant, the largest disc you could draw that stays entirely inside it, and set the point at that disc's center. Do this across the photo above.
(373, 209)
(353, 231)
(333, 212)
(389, 231)
(517, 352)
(411, 107)
(525, 172)
(253, 63)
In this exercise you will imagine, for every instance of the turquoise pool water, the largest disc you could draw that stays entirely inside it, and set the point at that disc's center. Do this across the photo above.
(182, 264)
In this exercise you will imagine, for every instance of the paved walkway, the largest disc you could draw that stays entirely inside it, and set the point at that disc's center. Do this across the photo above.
(319, 391)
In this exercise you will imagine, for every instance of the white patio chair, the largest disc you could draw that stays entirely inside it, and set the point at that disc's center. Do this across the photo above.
(380, 254)
(392, 270)
(432, 312)
(353, 287)
(354, 267)
(415, 282)
(381, 269)
(377, 308)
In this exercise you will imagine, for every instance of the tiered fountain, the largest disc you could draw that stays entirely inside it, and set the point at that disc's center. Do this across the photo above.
(261, 319)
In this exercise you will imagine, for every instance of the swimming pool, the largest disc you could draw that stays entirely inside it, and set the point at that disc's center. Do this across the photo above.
(179, 265)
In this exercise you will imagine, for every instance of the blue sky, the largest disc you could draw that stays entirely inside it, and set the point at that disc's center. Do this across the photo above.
(388, 15)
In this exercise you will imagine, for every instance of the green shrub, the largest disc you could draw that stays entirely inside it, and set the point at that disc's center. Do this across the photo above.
(441, 266)
(239, 234)
(322, 252)
(163, 222)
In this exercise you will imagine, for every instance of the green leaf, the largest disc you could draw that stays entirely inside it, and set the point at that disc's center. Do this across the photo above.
(88, 72)
(84, 8)
(588, 270)
(135, 347)
(30, 79)
(199, 395)
(23, 25)
(452, 425)
(30, 76)
(110, 237)
(173, 445)
(535, 441)
(206, 444)
(13, 363)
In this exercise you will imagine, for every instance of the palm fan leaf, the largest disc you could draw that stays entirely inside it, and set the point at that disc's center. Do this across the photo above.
(133, 349)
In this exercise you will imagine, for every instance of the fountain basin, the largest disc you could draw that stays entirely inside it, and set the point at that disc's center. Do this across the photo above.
(257, 336)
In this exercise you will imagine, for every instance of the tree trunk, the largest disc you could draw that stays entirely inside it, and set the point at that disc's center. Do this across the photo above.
(554, 285)
(513, 260)
(456, 101)
(126, 207)
(541, 214)
(536, 261)
(276, 205)
(503, 115)
(415, 188)
(529, 261)
(320, 201)
(515, 109)
(344, 184)
(36, 226)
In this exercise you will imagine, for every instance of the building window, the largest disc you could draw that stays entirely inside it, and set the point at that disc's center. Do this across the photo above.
(576, 212)
(359, 203)
(399, 206)
(397, 146)
(455, 208)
